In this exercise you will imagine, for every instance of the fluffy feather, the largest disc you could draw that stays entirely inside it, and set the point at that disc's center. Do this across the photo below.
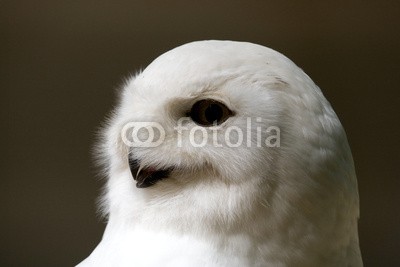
(295, 204)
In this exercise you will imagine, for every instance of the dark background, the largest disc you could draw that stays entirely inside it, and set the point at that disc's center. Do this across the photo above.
(61, 62)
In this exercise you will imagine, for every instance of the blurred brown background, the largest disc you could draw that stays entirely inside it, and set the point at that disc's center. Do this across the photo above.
(62, 60)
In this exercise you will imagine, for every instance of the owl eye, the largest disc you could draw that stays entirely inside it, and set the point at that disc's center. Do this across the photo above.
(208, 112)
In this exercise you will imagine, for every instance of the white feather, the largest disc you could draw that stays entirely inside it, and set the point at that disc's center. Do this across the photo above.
(292, 205)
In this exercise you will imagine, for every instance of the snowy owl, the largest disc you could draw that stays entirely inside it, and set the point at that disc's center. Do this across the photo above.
(225, 153)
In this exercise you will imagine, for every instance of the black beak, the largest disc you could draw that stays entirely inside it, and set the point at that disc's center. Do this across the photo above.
(146, 177)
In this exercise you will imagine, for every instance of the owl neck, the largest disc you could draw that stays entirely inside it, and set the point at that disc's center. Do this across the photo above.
(291, 227)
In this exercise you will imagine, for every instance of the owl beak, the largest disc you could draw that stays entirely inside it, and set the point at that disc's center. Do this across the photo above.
(146, 176)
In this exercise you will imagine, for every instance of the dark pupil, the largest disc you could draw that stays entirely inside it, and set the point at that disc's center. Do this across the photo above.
(213, 113)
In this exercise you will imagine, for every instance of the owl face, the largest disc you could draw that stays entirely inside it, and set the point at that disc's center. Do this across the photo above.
(202, 111)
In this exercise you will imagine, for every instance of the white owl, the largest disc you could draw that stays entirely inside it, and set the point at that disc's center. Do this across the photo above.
(226, 153)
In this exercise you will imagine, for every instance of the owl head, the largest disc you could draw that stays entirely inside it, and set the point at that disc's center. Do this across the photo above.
(220, 136)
